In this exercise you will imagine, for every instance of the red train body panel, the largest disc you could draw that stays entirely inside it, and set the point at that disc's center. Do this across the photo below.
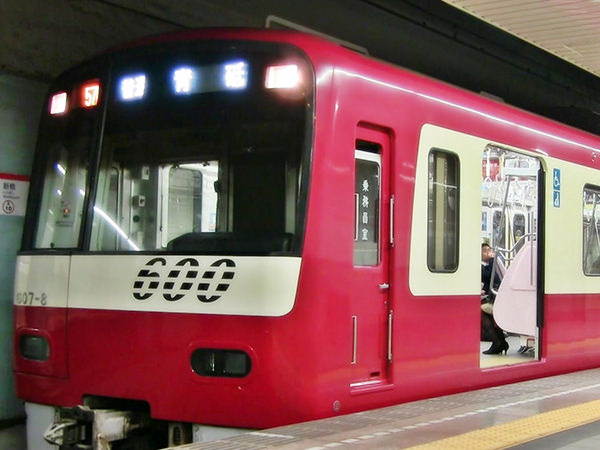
(305, 363)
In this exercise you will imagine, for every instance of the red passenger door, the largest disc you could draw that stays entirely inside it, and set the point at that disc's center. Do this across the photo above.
(371, 313)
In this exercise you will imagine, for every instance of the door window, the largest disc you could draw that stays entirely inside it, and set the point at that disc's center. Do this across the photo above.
(367, 195)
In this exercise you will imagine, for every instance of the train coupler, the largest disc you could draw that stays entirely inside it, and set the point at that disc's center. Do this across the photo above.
(83, 428)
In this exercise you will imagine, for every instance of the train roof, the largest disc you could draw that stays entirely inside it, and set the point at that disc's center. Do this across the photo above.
(325, 54)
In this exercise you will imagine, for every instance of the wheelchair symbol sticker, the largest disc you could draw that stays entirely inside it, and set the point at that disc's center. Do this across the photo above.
(556, 188)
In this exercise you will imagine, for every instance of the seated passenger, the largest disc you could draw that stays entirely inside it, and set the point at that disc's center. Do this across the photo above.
(488, 325)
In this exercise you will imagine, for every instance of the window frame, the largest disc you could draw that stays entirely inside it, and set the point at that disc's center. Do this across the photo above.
(432, 248)
(588, 188)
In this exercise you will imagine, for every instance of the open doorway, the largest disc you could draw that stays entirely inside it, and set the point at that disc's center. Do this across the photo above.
(510, 193)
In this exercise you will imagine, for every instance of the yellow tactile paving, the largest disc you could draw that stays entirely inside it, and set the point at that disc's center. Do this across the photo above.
(520, 431)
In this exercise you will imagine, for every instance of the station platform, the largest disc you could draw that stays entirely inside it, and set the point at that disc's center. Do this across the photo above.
(560, 412)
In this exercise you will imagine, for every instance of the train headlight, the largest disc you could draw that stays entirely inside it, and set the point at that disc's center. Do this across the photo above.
(282, 77)
(33, 347)
(58, 104)
(211, 362)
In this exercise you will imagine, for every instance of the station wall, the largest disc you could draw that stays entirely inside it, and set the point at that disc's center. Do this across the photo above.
(20, 107)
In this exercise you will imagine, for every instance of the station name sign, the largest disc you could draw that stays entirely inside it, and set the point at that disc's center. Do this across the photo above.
(13, 194)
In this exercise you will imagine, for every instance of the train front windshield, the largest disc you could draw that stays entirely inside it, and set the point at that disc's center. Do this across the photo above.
(183, 147)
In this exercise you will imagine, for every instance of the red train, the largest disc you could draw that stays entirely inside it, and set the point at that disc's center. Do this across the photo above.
(250, 228)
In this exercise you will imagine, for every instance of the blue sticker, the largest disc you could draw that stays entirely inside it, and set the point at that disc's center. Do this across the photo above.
(556, 180)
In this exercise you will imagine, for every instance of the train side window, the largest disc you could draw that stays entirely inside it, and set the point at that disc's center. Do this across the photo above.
(519, 230)
(442, 211)
(591, 230)
(367, 198)
(498, 227)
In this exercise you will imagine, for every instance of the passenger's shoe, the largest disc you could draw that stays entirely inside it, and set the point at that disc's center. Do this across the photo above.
(497, 349)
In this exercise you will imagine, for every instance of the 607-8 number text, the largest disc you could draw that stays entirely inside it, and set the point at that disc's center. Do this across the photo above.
(31, 298)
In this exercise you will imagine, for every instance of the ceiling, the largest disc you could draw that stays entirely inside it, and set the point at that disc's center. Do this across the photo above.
(569, 29)
(41, 38)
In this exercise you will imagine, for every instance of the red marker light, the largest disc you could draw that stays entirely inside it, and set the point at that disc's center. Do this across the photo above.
(90, 94)
(58, 104)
